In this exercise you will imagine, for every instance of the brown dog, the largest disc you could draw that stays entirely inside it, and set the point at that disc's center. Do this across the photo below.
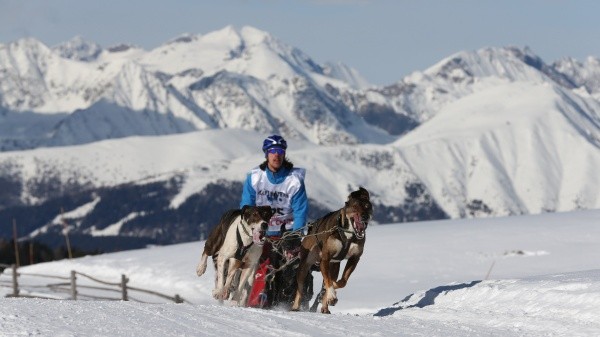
(335, 237)
(237, 240)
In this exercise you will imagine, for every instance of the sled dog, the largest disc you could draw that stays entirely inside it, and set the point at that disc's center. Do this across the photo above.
(337, 236)
(236, 244)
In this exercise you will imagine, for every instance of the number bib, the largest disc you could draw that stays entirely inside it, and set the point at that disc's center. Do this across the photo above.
(278, 196)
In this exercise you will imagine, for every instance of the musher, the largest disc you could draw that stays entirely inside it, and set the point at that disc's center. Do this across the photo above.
(276, 183)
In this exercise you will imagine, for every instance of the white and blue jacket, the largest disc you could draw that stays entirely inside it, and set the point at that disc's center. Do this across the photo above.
(282, 190)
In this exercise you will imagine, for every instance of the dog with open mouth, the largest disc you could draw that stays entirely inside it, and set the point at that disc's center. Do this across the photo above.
(236, 244)
(337, 236)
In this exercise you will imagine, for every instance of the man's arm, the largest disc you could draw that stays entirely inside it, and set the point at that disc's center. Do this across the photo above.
(300, 207)
(248, 193)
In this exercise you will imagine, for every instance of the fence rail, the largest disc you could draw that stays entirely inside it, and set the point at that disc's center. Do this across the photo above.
(72, 287)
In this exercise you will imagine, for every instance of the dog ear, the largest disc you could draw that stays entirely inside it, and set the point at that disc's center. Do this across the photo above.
(364, 193)
(244, 209)
(361, 194)
(266, 212)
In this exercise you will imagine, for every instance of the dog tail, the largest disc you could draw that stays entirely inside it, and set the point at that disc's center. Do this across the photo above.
(201, 268)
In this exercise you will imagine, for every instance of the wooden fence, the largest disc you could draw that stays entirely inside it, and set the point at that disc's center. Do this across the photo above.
(72, 287)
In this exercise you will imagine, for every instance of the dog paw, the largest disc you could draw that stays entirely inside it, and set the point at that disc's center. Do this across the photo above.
(220, 294)
(295, 306)
(325, 311)
(216, 293)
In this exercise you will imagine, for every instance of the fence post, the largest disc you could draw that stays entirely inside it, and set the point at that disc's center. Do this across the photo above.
(15, 281)
(16, 241)
(124, 281)
(73, 285)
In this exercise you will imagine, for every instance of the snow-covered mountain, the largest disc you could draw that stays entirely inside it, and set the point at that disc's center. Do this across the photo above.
(585, 75)
(225, 79)
(491, 132)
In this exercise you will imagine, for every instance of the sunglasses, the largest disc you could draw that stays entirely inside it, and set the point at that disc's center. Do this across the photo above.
(276, 151)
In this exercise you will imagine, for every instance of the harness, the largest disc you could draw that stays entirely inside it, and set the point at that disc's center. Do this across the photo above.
(241, 249)
(339, 228)
(341, 233)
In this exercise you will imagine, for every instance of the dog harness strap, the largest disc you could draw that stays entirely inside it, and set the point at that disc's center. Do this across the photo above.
(345, 242)
(342, 254)
(319, 242)
(241, 249)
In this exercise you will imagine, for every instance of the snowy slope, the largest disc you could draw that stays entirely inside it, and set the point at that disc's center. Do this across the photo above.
(515, 154)
(425, 279)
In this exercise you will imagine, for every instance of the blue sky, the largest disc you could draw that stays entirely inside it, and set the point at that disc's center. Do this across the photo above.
(383, 39)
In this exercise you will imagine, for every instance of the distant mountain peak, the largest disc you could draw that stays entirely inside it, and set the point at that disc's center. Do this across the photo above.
(511, 63)
(347, 74)
(255, 35)
(227, 36)
(184, 38)
(582, 74)
(79, 49)
(28, 45)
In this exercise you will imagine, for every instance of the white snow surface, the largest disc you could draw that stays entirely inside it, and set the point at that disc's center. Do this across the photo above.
(534, 275)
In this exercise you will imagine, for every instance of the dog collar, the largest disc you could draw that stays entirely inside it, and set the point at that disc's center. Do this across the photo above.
(241, 249)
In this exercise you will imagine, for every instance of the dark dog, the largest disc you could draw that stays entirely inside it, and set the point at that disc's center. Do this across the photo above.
(237, 241)
(335, 237)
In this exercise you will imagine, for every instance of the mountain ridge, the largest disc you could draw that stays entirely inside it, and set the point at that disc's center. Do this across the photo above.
(187, 77)
(492, 132)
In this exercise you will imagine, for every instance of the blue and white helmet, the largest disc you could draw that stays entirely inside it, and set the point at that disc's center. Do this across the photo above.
(274, 141)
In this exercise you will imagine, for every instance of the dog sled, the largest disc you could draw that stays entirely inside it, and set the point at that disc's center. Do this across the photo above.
(275, 279)
(239, 248)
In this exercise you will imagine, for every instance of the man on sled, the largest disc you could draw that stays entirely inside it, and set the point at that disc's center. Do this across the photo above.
(277, 183)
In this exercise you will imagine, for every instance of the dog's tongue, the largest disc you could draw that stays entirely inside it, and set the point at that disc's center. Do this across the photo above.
(257, 237)
(358, 224)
